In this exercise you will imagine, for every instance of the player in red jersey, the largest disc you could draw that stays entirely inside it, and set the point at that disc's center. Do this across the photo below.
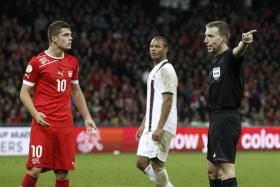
(54, 76)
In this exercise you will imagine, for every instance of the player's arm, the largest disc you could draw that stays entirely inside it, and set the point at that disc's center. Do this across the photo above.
(28, 103)
(140, 129)
(80, 103)
(165, 109)
(242, 46)
(169, 86)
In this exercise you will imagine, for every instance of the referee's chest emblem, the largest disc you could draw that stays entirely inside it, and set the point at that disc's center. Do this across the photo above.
(216, 73)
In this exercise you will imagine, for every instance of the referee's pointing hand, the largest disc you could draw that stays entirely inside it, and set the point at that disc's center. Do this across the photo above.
(247, 37)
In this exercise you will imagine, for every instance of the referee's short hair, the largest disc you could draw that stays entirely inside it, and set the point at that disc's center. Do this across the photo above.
(223, 28)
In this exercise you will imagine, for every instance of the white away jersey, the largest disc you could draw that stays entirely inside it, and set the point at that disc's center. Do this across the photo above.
(162, 79)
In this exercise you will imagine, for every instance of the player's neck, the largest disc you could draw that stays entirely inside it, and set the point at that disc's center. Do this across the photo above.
(55, 52)
(157, 61)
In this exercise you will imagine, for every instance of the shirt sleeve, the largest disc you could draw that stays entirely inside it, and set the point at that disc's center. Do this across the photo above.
(236, 61)
(169, 80)
(31, 73)
(75, 77)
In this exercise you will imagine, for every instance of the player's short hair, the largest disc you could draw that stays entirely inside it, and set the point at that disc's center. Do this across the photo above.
(163, 39)
(54, 28)
(223, 28)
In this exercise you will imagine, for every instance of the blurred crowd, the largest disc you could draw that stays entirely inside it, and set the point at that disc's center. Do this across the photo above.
(111, 41)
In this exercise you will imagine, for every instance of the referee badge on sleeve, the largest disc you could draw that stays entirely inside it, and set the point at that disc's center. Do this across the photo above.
(216, 73)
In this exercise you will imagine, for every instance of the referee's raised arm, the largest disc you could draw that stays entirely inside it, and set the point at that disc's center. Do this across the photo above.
(241, 48)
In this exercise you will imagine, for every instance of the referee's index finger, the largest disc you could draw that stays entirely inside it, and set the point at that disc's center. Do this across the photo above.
(252, 31)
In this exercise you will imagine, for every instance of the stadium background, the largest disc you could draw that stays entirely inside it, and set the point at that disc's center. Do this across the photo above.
(111, 39)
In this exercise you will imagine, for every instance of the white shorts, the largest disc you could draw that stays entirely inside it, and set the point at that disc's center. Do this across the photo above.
(154, 149)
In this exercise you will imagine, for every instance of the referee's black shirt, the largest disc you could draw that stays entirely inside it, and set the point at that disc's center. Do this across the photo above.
(226, 82)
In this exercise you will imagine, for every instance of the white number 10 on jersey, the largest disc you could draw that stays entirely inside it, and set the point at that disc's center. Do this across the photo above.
(61, 85)
(36, 151)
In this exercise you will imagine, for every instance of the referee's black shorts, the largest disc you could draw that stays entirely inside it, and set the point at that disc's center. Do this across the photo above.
(223, 135)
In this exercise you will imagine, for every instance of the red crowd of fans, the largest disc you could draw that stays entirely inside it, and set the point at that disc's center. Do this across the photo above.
(111, 40)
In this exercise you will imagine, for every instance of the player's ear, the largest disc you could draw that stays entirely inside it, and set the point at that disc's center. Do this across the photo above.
(53, 38)
(166, 49)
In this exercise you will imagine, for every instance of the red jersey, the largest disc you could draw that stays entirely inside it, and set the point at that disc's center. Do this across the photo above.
(52, 79)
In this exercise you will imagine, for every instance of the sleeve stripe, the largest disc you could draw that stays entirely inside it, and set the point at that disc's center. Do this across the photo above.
(28, 83)
(75, 82)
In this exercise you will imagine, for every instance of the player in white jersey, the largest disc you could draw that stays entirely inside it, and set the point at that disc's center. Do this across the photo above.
(160, 122)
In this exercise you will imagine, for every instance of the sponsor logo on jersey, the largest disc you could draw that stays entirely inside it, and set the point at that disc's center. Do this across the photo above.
(70, 73)
(216, 73)
(60, 73)
(214, 155)
(27, 75)
(29, 69)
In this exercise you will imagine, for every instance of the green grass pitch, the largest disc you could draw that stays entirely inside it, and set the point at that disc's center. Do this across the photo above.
(254, 169)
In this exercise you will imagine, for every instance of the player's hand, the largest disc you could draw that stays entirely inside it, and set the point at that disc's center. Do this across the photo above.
(247, 37)
(157, 134)
(139, 132)
(90, 126)
(39, 117)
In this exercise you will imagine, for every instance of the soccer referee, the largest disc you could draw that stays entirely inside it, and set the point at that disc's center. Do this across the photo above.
(226, 83)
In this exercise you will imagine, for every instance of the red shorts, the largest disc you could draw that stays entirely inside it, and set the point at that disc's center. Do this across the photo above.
(51, 148)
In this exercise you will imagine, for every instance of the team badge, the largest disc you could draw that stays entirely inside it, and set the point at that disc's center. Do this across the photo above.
(43, 60)
(216, 73)
(35, 160)
(70, 73)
